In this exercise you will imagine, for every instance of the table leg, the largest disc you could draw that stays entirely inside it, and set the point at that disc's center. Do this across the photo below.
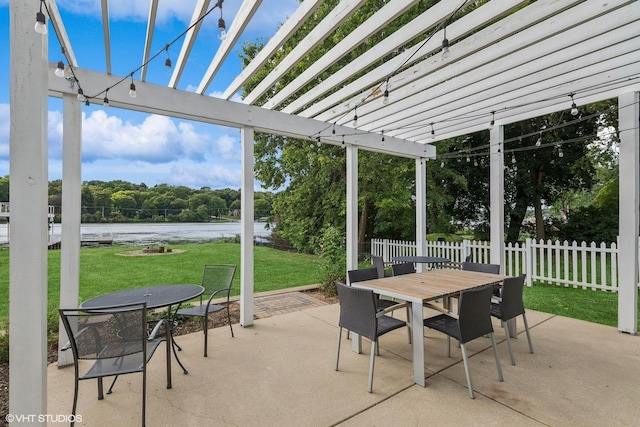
(168, 344)
(417, 341)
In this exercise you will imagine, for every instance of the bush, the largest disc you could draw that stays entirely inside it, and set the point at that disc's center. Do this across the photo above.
(332, 253)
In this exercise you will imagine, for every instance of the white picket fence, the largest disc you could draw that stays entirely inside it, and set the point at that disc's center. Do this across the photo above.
(589, 266)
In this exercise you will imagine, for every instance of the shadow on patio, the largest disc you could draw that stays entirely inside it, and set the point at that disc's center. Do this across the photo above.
(280, 372)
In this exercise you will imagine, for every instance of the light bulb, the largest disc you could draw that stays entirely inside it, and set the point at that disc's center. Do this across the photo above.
(539, 142)
(445, 48)
(41, 23)
(223, 35)
(105, 102)
(468, 159)
(513, 158)
(385, 98)
(132, 90)
(81, 96)
(574, 109)
(355, 120)
(167, 63)
(560, 153)
(60, 69)
(441, 165)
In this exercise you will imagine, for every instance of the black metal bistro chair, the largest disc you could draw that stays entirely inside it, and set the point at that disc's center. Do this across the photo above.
(115, 339)
(359, 313)
(216, 281)
(473, 321)
(509, 306)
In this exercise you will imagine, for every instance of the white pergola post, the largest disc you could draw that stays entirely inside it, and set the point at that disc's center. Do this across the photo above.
(421, 210)
(352, 223)
(28, 204)
(628, 116)
(352, 207)
(246, 237)
(71, 214)
(496, 195)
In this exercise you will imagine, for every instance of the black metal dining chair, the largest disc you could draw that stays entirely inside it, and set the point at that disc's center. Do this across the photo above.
(359, 313)
(363, 274)
(509, 306)
(216, 281)
(403, 268)
(473, 321)
(115, 339)
(378, 263)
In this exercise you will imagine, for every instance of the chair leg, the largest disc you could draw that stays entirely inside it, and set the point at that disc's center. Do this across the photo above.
(112, 384)
(466, 370)
(448, 346)
(338, 348)
(526, 328)
(75, 402)
(495, 353)
(505, 325)
(229, 318)
(374, 349)
(144, 394)
(205, 327)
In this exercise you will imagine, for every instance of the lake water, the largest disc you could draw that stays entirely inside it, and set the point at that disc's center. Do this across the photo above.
(157, 233)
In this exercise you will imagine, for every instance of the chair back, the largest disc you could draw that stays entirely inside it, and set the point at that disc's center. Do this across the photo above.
(358, 310)
(474, 313)
(107, 332)
(512, 304)
(362, 274)
(217, 279)
(481, 268)
(403, 268)
(378, 263)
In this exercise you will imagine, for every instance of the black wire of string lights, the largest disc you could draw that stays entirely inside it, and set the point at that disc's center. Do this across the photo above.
(60, 69)
(474, 152)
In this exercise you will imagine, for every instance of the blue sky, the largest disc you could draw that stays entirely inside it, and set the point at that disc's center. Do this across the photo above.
(136, 147)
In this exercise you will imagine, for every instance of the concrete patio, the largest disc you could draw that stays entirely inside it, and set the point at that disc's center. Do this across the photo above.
(280, 373)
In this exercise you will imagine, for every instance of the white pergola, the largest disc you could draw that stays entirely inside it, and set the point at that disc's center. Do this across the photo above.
(509, 60)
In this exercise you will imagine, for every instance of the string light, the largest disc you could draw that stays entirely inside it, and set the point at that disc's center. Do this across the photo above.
(445, 43)
(105, 101)
(574, 107)
(385, 98)
(81, 96)
(382, 141)
(513, 158)
(41, 21)
(493, 120)
(221, 24)
(167, 62)
(60, 69)
(132, 88)
(539, 140)
(355, 116)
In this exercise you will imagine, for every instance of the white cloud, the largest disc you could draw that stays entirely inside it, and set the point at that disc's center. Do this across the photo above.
(131, 10)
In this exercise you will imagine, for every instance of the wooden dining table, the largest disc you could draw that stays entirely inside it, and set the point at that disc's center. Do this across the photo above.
(418, 288)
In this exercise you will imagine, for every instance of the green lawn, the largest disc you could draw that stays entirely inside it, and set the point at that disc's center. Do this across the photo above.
(102, 270)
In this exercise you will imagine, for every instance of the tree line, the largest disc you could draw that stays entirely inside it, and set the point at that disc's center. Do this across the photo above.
(122, 201)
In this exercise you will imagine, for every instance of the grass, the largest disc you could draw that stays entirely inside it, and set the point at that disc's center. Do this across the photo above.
(584, 304)
(102, 270)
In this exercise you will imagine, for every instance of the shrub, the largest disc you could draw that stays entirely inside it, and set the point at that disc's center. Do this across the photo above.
(332, 253)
